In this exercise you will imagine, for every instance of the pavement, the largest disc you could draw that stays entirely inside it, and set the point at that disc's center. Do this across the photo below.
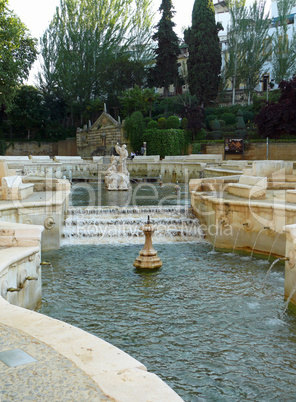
(51, 377)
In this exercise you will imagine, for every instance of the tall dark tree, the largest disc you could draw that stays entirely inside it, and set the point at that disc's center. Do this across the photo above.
(165, 72)
(204, 62)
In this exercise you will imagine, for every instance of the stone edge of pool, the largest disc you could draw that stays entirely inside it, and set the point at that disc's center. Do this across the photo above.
(118, 375)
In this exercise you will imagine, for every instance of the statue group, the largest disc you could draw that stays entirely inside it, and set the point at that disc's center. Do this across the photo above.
(117, 176)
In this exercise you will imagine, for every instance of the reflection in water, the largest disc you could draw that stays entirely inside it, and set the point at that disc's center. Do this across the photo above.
(204, 326)
(95, 194)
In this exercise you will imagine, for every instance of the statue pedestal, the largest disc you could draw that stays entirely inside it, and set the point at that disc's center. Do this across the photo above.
(148, 258)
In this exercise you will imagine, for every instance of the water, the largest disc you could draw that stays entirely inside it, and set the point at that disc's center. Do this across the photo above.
(84, 194)
(202, 322)
(109, 225)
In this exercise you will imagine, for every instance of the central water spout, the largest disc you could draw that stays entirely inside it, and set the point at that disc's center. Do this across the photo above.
(148, 258)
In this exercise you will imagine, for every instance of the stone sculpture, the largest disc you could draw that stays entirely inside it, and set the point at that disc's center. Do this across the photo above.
(117, 176)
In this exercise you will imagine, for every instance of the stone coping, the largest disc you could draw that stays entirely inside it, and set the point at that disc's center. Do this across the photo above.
(58, 199)
(243, 202)
(118, 375)
(12, 255)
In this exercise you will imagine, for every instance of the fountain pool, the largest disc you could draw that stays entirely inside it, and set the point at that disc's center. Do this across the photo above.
(202, 322)
(91, 194)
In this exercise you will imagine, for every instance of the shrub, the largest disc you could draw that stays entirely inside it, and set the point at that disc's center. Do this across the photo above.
(208, 120)
(3, 147)
(196, 148)
(222, 123)
(248, 116)
(195, 116)
(147, 119)
(173, 122)
(201, 135)
(162, 123)
(278, 119)
(184, 123)
(152, 124)
(135, 127)
(229, 118)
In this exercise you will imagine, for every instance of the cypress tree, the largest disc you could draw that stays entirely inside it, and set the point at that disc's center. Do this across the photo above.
(165, 72)
(204, 62)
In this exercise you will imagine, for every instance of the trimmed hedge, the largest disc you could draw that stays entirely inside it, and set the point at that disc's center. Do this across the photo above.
(152, 125)
(165, 142)
(162, 123)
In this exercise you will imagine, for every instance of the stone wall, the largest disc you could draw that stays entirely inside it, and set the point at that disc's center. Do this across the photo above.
(257, 151)
(62, 148)
(67, 147)
(32, 148)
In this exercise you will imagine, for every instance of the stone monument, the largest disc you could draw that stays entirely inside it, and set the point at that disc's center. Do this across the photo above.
(148, 258)
(117, 176)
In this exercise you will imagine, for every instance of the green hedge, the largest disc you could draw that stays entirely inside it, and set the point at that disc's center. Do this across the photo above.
(165, 142)
(173, 122)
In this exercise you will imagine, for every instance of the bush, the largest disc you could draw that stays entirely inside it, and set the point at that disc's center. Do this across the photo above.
(229, 118)
(162, 123)
(135, 127)
(173, 122)
(147, 120)
(184, 123)
(152, 124)
(165, 142)
(196, 148)
(3, 147)
(248, 116)
(201, 135)
(279, 119)
(222, 123)
(208, 120)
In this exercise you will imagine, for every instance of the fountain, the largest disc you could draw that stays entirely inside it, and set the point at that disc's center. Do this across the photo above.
(261, 230)
(148, 258)
(117, 177)
(271, 266)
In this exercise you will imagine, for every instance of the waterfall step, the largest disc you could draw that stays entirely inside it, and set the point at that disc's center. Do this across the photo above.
(91, 225)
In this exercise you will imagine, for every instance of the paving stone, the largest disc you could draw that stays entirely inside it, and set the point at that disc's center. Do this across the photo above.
(52, 377)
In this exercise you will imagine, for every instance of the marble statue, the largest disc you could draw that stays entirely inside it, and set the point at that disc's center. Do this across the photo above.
(117, 176)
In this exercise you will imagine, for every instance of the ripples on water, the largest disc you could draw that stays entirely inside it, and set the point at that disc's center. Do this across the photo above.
(89, 194)
(201, 322)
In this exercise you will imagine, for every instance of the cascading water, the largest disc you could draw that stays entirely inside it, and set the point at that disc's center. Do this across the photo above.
(236, 239)
(257, 237)
(273, 244)
(107, 225)
(270, 268)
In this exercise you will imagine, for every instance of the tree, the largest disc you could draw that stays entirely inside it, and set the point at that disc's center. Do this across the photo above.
(255, 45)
(283, 58)
(88, 45)
(165, 72)
(135, 127)
(141, 49)
(204, 62)
(28, 112)
(233, 61)
(84, 37)
(137, 99)
(276, 119)
(17, 53)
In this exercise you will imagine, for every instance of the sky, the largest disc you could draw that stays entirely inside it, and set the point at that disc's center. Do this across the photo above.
(37, 14)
